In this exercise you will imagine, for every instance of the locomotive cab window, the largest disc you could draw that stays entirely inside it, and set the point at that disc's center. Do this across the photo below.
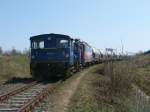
(41, 44)
(63, 43)
(37, 45)
(34, 45)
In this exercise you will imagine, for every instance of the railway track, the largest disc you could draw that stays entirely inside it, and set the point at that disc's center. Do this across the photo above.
(26, 97)
(12, 89)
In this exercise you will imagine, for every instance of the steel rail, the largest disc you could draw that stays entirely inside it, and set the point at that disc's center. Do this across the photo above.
(16, 91)
(36, 100)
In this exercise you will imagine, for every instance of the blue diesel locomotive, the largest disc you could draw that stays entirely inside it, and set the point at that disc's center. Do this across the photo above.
(57, 55)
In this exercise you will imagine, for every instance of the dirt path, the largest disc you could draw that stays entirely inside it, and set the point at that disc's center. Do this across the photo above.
(61, 98)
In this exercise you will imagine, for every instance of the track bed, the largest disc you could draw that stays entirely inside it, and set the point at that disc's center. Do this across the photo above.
(25, 97)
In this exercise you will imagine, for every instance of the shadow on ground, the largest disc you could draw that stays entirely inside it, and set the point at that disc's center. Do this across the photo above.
(15, 80)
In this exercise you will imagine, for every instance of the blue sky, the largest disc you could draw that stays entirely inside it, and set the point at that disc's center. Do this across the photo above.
(102, 23)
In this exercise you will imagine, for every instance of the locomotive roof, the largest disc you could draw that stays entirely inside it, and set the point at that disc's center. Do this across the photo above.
(51, 34)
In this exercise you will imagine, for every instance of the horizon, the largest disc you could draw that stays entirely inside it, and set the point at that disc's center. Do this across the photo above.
(102, 24)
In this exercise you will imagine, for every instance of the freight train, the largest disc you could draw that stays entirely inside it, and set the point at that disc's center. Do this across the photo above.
(57, 55)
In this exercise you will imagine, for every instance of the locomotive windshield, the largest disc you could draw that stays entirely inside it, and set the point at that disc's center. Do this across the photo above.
(50, 43)
(37, 44)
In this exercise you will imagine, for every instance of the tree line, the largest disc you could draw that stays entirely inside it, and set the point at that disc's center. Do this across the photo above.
(14, 51)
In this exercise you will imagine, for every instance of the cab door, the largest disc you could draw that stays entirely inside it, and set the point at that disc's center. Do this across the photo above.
(71, 49)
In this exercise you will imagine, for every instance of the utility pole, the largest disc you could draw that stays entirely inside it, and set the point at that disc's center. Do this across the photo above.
(122, 47)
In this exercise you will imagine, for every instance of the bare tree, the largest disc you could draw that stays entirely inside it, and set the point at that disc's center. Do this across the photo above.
(15, 52)
(1, 51)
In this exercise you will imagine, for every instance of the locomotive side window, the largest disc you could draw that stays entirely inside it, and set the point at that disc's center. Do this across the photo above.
(63, 43)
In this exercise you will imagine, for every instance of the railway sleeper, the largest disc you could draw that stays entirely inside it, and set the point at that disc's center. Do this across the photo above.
(25, 96)
(10, 105)
(21, 98)
(8, 109)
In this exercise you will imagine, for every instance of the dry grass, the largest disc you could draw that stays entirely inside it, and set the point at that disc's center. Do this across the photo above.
(115, 87)
(14, 66)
